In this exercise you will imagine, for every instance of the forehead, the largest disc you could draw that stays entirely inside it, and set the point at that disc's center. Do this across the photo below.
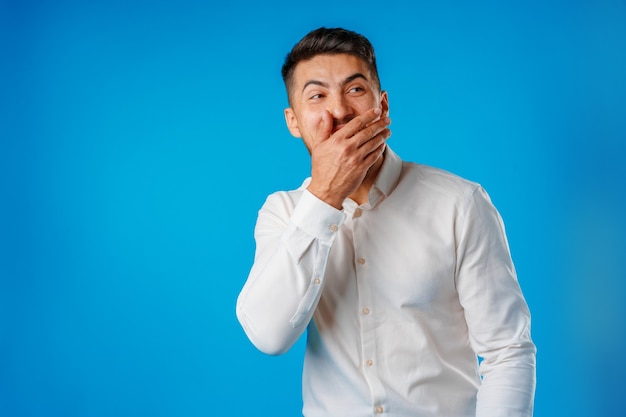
(329, 68)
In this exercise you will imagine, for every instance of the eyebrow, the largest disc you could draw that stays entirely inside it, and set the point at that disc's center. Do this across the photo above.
(325, 85)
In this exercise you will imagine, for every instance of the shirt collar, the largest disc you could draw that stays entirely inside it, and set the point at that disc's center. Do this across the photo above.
(389, 173)
(387, 178)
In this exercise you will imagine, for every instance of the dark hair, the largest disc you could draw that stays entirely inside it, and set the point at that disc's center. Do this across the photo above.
(330, 41)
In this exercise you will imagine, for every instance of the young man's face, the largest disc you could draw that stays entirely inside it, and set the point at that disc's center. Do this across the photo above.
(337, 86)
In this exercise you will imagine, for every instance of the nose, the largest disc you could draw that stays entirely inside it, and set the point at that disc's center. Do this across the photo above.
(340, 108)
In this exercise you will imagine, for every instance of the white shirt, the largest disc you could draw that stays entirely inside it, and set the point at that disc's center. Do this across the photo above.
(399, 296)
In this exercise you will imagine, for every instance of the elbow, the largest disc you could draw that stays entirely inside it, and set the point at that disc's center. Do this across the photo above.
(269, 341)
(269, 347)
(521, 356)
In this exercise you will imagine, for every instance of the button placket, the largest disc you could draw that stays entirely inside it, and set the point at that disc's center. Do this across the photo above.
(366, 312)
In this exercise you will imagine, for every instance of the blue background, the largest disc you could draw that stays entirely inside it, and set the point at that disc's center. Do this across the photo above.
(138, 140)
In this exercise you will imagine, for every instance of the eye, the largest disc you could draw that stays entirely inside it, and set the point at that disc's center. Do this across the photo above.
(357, 89)
(316, 96)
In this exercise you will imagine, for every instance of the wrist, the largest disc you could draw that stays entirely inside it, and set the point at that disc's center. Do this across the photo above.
(326, 196)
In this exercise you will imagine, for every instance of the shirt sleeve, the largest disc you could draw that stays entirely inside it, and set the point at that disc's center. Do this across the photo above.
(287, 277)
(497, 315)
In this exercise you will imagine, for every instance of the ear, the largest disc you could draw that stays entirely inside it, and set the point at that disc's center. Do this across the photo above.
(292, 122)
(384, 103)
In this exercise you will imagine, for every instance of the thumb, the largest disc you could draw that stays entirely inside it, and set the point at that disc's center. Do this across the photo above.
(324, 127)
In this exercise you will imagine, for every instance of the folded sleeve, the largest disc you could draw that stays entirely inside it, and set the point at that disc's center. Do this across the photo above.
(497, 315)
(293, 241)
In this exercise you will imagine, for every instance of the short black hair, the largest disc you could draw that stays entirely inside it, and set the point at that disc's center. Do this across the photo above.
(329, 41)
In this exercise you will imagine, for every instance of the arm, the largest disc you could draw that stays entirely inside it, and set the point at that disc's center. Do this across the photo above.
(497, 315)
(294, 240)
(286, 280)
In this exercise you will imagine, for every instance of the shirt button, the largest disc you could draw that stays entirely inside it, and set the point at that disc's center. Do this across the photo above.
(370, 362)
(333, 227)
(361, 261)
(357, 213)
(379, 409)
(366, 311)
(317, 281)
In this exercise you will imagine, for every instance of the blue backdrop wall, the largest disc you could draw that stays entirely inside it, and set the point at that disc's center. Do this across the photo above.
(139, 139)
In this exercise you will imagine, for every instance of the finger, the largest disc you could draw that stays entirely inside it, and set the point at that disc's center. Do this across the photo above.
(372, 131)
(374, 146)
(376, 153)
(359, 123)
(324, 127)
(373, 153)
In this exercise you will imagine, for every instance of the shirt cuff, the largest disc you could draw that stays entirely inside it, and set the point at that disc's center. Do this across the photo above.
(317, 218)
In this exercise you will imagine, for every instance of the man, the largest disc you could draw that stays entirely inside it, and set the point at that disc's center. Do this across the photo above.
(400, 273)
